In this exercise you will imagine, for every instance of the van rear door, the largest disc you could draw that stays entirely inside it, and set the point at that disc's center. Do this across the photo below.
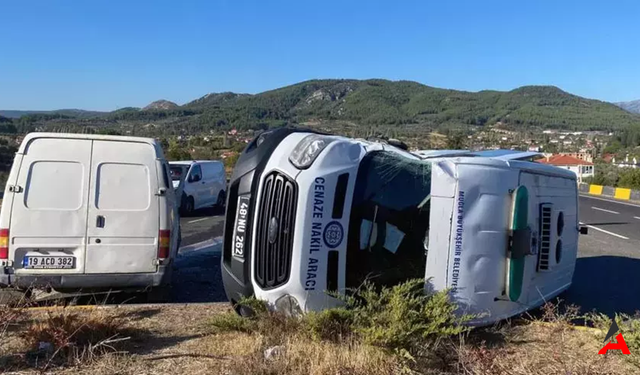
(553, 217)
(49, 212)
(123, 221)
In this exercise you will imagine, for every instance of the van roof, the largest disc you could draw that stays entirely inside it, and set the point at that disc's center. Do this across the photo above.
(31, 136)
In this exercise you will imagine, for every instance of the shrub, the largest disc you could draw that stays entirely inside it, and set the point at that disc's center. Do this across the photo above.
(399, 318)
(404, 316)
(630, 178)
(331, 325)
(274, 326)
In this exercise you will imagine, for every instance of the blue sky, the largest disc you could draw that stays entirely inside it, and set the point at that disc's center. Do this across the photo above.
(103, 55)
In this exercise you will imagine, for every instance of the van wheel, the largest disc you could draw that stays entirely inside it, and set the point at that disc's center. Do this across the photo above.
(187, 205)
(222, 199)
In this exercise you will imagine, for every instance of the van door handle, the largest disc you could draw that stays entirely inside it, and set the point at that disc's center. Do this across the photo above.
(15, 189)
(100, 221)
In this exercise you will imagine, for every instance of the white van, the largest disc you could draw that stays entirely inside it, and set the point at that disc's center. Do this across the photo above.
(88, 212)
(202, 183)
(310, 213)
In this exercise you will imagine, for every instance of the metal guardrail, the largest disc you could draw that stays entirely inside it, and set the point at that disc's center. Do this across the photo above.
(612, 192)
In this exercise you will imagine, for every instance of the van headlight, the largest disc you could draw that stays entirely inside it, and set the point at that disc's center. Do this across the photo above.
(306, 152)
(288, 305)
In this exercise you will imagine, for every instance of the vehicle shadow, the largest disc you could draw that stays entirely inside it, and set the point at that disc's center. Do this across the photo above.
(606, 284)
(197, 278)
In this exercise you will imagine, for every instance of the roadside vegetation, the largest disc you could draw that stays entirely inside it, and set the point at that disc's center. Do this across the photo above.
(396, 330)
(612, 175)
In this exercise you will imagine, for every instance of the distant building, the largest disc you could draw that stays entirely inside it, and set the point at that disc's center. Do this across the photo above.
(626, 163)
(581, 168)
(578, 155)
(608, 157)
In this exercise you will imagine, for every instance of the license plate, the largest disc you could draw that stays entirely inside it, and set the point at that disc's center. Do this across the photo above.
(48, 262)
(240, 227)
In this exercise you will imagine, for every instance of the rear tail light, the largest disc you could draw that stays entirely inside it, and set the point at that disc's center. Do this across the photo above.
(4, 243)
(164, 244)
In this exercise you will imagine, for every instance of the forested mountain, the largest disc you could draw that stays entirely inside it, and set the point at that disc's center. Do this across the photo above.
(364, 102)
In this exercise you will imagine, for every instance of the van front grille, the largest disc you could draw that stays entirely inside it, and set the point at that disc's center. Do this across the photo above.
(275, 229)
(545, 237)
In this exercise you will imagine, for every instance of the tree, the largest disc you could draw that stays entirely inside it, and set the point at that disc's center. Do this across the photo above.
(630, 178)
(177, 152)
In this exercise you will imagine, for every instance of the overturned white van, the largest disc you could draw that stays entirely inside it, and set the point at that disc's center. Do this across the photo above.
(88, 212)
(309, 213)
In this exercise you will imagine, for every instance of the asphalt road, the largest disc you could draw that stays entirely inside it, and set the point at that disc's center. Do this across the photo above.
(197, 275)
(607, 275)
(202, 225)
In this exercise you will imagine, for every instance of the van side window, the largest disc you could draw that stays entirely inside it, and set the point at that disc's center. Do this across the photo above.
(195, 174)
(165, 175)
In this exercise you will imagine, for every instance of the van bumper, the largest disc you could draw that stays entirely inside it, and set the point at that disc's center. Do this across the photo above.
(128, 281)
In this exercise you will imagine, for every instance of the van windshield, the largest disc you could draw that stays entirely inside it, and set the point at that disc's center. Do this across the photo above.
(176, 172)
(389, 220)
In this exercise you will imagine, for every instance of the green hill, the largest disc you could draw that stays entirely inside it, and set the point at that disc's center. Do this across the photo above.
(368, 102)
(404, 102)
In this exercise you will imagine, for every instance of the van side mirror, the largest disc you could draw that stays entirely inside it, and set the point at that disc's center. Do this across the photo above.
(584, 230)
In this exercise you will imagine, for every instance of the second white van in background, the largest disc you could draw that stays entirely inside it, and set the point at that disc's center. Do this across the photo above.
(202, 183)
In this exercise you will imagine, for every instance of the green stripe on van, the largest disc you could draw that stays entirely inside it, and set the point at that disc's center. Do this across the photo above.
(520, 221)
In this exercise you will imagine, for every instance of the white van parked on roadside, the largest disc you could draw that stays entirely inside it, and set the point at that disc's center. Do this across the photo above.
(202, 183)
(88, 212)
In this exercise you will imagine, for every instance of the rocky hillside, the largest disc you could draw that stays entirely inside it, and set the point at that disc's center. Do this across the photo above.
(632, 106)
(163, 105)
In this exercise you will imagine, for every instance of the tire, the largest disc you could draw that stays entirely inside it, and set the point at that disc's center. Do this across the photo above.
(222, 199)
(186, 205)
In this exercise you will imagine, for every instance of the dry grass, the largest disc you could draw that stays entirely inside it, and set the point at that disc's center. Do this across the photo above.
(180, 340)
(72, 338)
(543, 349)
